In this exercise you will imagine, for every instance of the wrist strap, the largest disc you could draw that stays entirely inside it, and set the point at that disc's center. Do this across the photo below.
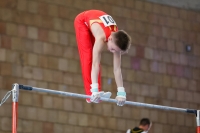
(121, 89)
(94, 90)
(121, 94)
(94, 87)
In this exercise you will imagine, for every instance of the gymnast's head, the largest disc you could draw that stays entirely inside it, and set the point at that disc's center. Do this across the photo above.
(119, 41)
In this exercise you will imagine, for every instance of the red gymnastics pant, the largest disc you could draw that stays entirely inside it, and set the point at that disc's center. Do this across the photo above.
(85, 41)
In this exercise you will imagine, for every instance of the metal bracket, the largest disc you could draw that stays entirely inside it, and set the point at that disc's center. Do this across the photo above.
(15, 92)
(198, 118)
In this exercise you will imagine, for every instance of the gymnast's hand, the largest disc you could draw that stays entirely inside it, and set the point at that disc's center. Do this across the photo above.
(95, 97)
(120, 100)
(121, 96)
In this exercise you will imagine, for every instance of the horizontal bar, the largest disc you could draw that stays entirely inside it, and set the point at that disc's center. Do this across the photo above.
(24, 87)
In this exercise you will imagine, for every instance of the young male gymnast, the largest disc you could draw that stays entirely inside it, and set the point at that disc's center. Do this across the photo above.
(94, 30)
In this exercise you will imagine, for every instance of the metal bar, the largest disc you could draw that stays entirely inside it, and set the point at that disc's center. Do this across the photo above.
(15, 94)
(24, 87)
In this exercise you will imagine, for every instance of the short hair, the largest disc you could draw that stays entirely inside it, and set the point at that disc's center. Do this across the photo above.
(122, 40)
(144, 122)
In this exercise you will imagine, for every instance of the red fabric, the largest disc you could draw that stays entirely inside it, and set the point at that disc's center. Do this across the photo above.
(91, 15)
(85, 42)
(198, 129)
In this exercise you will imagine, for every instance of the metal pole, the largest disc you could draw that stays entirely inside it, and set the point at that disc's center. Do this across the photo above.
(24, 87)
(198, 121)
(15, 95)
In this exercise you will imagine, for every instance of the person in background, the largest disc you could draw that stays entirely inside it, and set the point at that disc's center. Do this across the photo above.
(144, 126)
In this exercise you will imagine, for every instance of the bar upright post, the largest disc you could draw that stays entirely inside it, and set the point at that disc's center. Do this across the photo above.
(15, 95)
(198, 121)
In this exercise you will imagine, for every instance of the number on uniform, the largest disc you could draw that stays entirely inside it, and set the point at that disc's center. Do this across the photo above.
(107, 20)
